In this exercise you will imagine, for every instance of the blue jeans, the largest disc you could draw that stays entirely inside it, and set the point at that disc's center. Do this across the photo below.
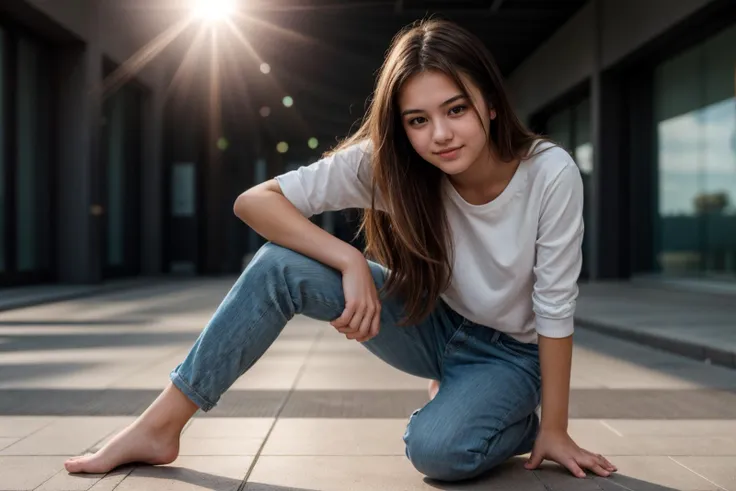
(484, 412)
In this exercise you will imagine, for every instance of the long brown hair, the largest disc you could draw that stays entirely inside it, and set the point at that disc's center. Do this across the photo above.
(412, 238)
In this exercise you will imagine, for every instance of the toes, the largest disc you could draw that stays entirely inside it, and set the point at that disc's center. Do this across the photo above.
(76, 464)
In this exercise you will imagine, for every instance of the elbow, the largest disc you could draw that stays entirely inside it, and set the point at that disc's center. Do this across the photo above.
(243, 204)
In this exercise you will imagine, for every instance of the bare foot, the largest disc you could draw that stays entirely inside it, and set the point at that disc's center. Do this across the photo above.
(136, 443)
(434, 387)
(152, 439)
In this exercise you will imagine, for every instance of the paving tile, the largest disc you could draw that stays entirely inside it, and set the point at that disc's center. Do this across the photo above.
(654, 445)
(667, 428)
(652, 474)
(6, 442)
(719, 470)
(270, 374)
(83, 376)
(63, 481)
(67, 436)
(366, 376)
(220, 446)
(359, 404)
(374, 473)
(22, 426)
(24, 473)
(189, 474)
(229, 428)
(554, 477)
(336, 437)
(112, 479)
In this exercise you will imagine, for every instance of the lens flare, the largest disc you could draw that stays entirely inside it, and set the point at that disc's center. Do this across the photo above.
(213, 9)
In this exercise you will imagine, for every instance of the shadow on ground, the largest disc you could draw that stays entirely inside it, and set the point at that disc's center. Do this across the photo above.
(510, 476)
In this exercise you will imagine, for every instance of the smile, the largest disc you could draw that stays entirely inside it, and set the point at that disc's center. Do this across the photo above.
(450, 152)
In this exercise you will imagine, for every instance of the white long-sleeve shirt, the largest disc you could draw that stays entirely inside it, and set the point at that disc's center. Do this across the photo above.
(516, 259)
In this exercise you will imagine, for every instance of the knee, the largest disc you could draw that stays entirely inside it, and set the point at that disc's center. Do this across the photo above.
(272, 255)
(271, 270)
(442, 454)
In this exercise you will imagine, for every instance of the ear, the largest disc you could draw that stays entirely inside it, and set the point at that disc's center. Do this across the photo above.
(493, 114)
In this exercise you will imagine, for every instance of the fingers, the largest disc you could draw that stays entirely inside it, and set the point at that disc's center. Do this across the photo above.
(598, 459)
(344, 320)
(607, 464)
(359, 321)
(597, 464)
(356, 322)
(599, 470)
(573, 467)
(364, 332)
(376, 324)
(534, 461)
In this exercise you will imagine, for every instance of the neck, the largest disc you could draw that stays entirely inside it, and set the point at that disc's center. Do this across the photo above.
(488, 171)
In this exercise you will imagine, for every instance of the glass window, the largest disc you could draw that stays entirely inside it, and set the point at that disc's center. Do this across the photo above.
(115, 180)
(583, 151)
(559, 129)
(26, 170)
(570, 128)
(32, 169)
(695, 110)
(2, 152)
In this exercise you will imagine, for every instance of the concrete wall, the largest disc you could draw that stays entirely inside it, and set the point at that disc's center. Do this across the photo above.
(568, 57)
(119, 26)
(119, 31)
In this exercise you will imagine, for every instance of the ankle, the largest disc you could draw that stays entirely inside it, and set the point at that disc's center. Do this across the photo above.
(159, 428)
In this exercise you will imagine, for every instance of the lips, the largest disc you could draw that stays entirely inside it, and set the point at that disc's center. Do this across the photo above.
(448, 151)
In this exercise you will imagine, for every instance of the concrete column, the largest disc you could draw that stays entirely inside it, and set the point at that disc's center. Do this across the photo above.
(79, 103)
(151, 178)
(596, 137)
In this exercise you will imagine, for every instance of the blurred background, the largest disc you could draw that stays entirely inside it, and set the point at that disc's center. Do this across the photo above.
(129, 127)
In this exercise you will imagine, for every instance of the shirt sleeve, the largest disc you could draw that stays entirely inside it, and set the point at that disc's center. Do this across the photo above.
(559, 254)
(339, 181)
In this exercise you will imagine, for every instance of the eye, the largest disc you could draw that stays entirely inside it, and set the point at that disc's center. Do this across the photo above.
(417, 121)
(457, 110)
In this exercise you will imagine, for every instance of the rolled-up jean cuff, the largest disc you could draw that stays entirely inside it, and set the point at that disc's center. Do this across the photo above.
(188, 391)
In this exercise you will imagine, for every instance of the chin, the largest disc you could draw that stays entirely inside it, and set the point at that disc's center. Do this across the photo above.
(452, 168)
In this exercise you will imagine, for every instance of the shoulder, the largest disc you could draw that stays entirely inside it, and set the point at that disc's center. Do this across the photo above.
(356, 153)
(551, 166)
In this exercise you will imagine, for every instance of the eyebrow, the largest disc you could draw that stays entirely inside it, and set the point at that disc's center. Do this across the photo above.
(448, 101)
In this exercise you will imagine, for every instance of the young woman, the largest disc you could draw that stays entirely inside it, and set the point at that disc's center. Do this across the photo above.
(476, 226)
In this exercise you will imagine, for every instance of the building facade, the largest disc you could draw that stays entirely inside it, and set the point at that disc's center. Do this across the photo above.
(113, 165)
(79, 156)
(643, 94)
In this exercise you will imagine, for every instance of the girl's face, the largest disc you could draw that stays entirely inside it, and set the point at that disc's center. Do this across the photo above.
(441, 124)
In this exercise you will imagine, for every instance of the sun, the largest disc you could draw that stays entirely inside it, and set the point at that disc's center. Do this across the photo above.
(213, 9)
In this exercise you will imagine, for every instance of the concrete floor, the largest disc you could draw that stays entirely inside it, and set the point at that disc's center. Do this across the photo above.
(319, 412)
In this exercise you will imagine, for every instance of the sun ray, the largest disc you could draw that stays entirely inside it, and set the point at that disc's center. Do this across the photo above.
(180, 76)
(303, 38)
(215, 105)
(142, 57)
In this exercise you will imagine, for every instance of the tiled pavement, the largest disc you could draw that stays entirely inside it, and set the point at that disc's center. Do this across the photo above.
(318, 412)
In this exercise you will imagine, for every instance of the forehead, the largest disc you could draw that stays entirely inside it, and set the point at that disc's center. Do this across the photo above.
(429, 89)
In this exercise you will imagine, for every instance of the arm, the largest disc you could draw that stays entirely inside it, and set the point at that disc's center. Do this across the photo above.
(266, 210)
(557, 268)
(279, 209)
(555, 359)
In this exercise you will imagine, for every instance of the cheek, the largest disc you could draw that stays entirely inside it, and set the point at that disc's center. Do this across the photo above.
(419, 139)
(472, 130)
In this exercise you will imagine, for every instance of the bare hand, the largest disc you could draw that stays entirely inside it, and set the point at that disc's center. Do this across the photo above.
(361, 319)
(559, 447)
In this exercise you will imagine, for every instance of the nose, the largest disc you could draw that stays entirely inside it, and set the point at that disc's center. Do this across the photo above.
(442, 132)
